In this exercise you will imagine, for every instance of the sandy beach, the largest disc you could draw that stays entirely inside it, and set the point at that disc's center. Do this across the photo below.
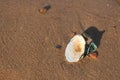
(28, 39)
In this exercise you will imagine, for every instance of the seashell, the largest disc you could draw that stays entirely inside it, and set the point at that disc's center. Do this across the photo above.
(75, 48)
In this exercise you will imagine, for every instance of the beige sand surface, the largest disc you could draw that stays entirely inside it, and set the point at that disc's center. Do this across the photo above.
(28, 39)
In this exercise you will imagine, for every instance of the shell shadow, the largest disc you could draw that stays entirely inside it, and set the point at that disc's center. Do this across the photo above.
(95, 34)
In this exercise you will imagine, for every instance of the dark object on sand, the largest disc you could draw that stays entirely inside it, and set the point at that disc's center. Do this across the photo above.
(44, 9)
(95, 34)
(58, 46)
(74, 33)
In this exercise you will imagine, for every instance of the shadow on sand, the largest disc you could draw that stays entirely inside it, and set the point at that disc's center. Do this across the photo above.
(95, 34)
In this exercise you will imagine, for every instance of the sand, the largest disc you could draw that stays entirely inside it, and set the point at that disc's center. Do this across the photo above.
(28, 39)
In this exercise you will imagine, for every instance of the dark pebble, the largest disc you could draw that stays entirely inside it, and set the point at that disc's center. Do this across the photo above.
(58, 46)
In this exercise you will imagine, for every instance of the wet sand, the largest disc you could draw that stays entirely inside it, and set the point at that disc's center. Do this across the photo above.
(28, 39)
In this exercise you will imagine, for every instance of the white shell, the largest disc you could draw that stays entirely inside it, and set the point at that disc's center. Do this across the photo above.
(75, 48)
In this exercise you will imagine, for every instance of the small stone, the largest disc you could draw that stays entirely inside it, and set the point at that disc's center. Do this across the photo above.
(44, 9)
(73, 34)
(58, 46)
